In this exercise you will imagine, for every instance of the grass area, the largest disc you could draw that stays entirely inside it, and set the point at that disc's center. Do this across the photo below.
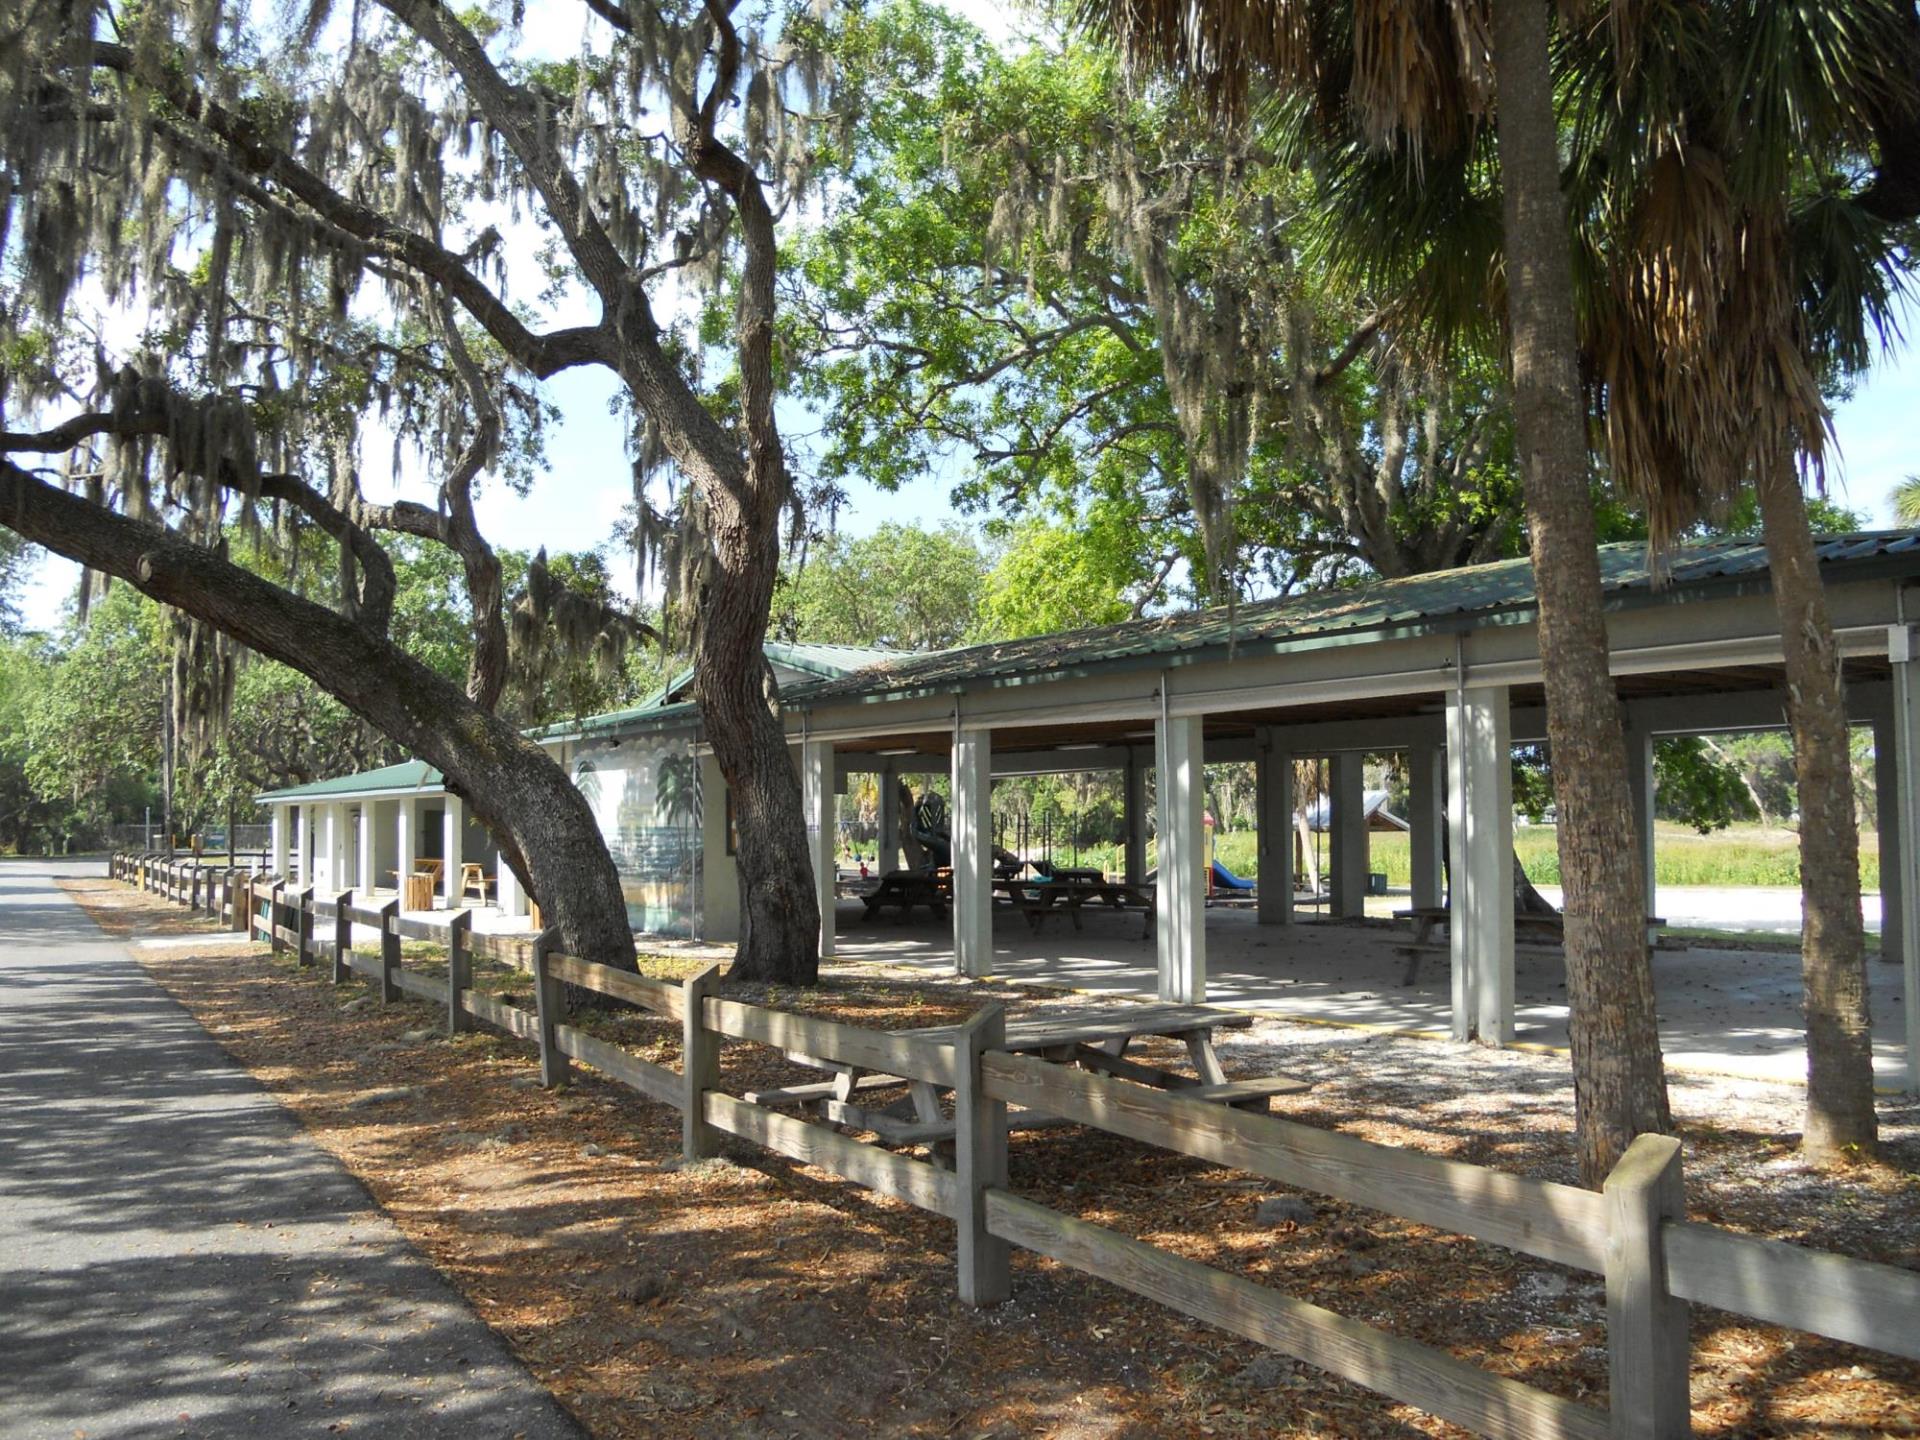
(1740, 855)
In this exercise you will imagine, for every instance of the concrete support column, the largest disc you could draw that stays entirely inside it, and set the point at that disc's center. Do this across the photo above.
(366, 881)
(1905, 654)
(816, 798)
(1480, 839)
(888, 857)
(1426, 844)
(1181, 898)
(406, 834)
(1136, 818)
(1640, 785)
(512, 899)
(1273, 812)
(1886, 809)
(1347, 832)
(453, 824)
(972, 830)
(277, 843)
(302, 846)
(333, 847)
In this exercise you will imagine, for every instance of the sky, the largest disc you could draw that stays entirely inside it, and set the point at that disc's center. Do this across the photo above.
(579, 502)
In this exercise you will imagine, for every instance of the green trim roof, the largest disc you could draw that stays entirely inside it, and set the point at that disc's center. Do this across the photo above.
(408, 775)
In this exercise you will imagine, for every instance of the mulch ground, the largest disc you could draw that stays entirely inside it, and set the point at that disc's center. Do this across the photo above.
(749, 1296)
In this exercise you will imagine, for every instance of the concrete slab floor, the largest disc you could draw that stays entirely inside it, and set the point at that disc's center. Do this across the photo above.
(1733, 1012)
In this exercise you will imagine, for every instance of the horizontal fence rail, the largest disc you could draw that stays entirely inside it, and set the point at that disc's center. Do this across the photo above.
(1655, 1262)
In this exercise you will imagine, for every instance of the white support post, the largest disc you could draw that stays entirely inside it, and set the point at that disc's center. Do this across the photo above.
(507, 892)
(302, 846)
(1273, 810)
(1640, 785)
(1905, 655)
(972, 832)
(1180, 899)
(816, 794)
(887, 857)
(1886, 809)
(278, 840)
(1135, 819)
(1348, 832)
(453, 824)
(1480, 836)
(365, 883)
(406, 832)
(1425, 842)
(333, 846)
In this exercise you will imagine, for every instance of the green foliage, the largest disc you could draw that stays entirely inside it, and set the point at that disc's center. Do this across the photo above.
(16, 563)
(1055, 577)
(1906, 501)
(902, 587)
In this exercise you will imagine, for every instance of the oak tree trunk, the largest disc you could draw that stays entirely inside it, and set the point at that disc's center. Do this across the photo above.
(536, 815)
(1833, 949)
(1619, 1084)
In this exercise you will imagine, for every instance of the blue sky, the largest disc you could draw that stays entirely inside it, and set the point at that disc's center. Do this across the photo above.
(577, 505)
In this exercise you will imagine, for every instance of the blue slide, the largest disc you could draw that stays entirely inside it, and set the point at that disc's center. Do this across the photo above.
(1225, 879)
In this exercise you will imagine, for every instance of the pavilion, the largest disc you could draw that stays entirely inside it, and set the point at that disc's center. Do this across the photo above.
(1441, 668)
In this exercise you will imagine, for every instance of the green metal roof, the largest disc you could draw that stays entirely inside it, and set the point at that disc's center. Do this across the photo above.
(408, 775)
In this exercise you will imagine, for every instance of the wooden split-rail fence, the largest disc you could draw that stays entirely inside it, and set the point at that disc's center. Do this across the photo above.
(1634, 1233)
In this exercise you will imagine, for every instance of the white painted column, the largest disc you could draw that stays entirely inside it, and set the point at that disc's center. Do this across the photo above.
(816, 796)
(1886, 809)
(406, 827)
(1905, 655)
(972, 830)
(888, 858)
(365, 884)
(511, 898)
(303, 846)
(1135, 818)
(1273, 814)
(1347, 830)
(1180, 898)
(1480, 840)
(453, 824)
(1424, 819)
(1640, 785)
(277, 843)
(331, 865)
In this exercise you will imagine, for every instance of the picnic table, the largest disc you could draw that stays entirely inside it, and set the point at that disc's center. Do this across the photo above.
(1068, 892)
(1527, 926)
(1094, 1039)
(903, 889)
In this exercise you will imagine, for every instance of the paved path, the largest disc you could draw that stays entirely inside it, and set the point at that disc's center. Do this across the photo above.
(177, 1257)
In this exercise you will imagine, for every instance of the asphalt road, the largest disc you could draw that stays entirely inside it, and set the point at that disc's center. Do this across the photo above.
(177, 1257)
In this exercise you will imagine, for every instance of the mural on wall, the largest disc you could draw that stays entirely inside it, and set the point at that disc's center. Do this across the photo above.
(645, 794)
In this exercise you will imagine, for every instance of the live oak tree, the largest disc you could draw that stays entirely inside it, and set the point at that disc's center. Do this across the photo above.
(259, 189)
(1102, 301)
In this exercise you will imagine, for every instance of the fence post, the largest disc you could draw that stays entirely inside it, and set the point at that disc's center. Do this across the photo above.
(1648, 1360)
(389, 951)
(980, 1161)
(193, 890)
(459, 970)
(232, 915)
(700, 1064)
(303, 923)
(274, 906)
(342, 937)
(547, 998)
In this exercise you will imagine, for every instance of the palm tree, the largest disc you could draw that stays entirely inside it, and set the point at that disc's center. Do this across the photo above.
(1906, 501)
(1417, 81)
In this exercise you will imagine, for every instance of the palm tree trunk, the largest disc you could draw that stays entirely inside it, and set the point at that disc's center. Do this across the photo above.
(1833, 949)
(1619, 1084)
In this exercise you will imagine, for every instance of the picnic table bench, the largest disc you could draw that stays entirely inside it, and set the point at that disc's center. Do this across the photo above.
(901, 890)
(1094, 1039)
(1542, 929)
(1055, 895)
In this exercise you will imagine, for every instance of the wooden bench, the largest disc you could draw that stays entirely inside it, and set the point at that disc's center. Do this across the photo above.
(901, 890)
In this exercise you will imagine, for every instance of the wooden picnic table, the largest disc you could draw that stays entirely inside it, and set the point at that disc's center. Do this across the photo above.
(1038, 898)
(1546, 929)
(903, 889)
(1092, 1038)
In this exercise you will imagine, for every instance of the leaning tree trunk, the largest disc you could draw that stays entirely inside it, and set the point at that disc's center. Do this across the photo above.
(540, 820)
(1618, 1084)
(1833, 949)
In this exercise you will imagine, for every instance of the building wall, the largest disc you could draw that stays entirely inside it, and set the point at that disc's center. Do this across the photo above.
(720, 878)
(646, 793)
